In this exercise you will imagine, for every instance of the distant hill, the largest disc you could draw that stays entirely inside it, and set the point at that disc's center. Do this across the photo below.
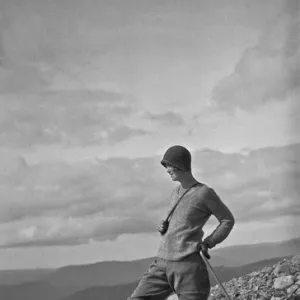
(41, 290)
(244, 254)
(34, 291)
(121, 292)
(122, 272)
(114, 273)
(12, 277)
(102, 273)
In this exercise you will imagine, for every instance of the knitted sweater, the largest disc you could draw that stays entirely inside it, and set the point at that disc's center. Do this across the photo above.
(185, 233)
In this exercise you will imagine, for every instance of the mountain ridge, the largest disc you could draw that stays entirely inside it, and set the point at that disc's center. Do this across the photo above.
(118, 292)
(119, 272)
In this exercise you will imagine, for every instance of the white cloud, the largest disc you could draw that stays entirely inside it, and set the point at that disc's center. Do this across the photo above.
(66, 118)
(158, 63)
(266, 72)
(165, 60)
(168, 118)
(69, 204)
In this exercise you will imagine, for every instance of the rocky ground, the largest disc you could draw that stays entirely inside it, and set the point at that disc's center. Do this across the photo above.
(278, 282)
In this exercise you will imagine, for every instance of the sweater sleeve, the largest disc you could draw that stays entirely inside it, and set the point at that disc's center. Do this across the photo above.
(224, 216)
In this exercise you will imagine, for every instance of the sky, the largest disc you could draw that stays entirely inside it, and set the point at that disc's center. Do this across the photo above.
(92, 93)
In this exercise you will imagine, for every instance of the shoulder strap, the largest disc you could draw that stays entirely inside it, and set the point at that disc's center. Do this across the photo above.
(175, 205)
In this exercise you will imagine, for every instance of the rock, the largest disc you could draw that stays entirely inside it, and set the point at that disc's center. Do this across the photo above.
(253, 274)
(278, 282)
(292, 289)
(282, 269)
(283, 282)
(235, 282)
(267, 270)
(296, 258)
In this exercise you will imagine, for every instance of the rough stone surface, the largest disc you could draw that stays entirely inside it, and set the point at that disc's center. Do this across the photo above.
(278, 282)
(282, 269)
(283, 282)
(292, 289)
(296, 258)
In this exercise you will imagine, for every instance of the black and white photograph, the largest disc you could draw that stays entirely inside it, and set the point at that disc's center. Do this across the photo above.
(149, 150)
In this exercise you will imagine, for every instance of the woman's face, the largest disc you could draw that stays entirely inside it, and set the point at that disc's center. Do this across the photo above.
(173, 172)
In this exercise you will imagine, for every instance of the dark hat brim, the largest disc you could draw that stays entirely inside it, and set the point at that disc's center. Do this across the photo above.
(164, 162)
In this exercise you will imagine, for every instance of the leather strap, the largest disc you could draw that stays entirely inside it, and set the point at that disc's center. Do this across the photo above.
(175, 205)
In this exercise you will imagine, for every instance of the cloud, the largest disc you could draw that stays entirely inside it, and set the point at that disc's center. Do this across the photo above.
(168, 118)
(23, 33)
(72, 204)
(66, 204)
(36, 108)
(266, 72)
(57, 203)
(57, 231)
(260, 185)
(17, 71)
(121, 133)
(66, 118)
(22, 37)
(22, 78)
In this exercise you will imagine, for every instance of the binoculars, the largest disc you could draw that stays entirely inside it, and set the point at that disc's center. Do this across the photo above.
(165, 226)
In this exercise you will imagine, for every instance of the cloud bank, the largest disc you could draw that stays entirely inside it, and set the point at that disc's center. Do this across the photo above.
(63, 204)
(155, 68)
(66, 118)
(267, 72)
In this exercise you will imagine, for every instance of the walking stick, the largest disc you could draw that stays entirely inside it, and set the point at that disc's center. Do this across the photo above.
(214, 274)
